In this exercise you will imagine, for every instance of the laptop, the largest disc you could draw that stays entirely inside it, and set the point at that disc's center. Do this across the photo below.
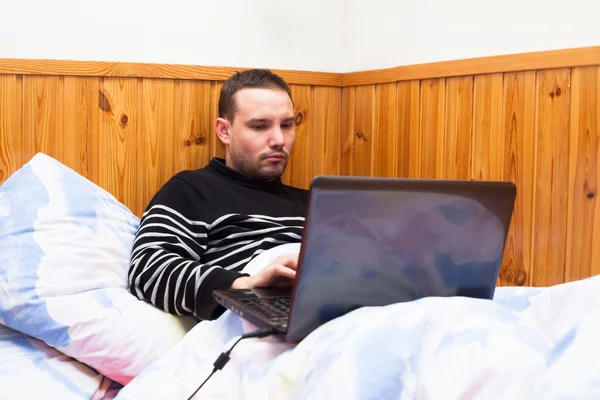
(370, 242)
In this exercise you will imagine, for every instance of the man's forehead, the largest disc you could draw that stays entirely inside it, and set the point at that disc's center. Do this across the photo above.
(264, 104)
(262, 97)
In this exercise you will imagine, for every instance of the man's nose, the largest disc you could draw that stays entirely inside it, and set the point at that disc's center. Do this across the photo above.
(277, 138)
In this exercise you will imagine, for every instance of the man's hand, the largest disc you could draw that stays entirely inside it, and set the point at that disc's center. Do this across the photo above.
(281, 272)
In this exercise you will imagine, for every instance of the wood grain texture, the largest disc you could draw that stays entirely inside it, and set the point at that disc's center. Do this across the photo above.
(487, 127)
(551, 177)
(299, 170)
(584, 56)
(195, 104)
(11, 137)
(325, 156)
(11, 66)
(155, 146)
(516, 126)
(43, 116)
(347, 131)
(385, 138)
(583, 214)
(457, 146)
(121, 151)
(364, 130)
(408, 141)
(433, 128)
(518, 160)
(130, 134)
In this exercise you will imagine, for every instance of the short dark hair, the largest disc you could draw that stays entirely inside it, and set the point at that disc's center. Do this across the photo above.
(249, 79)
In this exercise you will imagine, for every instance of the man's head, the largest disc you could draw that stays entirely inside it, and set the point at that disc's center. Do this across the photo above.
(256, 123)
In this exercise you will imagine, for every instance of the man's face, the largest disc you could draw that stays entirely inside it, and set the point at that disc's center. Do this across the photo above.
(262, 134)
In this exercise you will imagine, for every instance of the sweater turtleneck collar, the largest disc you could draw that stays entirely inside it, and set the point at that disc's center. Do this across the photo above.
(218, 166)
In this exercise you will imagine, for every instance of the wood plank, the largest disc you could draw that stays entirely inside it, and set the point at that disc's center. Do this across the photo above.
(148, 70)
(583, 56)
(384, 143)
(156, 142)
(347, 131)
(487, 127)
(408, 141)
(325, 158)
(196, 128)
(583, 223)
(94, 99)
(11, 139)
(457, 149)
(299, 172)
(75, 115)
(120, 108)
(217, 148)
(433, 101)
(365, 115)
(518, 160)
(43, 104)
(551, 178)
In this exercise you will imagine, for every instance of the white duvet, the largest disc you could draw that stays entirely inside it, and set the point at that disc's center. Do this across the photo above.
(529, 343)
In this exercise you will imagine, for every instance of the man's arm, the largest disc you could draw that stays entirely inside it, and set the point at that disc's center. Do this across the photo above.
(166, 266)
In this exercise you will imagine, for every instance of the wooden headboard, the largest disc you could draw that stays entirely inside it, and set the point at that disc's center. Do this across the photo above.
(533, 119)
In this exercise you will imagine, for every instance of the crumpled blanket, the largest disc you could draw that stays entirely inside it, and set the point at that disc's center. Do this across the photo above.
(528, 343)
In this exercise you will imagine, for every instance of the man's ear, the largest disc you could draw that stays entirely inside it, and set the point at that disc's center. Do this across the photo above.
(223, 127)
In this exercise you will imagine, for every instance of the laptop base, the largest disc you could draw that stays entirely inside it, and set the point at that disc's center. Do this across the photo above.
(263, 307)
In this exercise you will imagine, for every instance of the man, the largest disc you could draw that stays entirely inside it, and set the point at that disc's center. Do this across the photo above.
(203, 226)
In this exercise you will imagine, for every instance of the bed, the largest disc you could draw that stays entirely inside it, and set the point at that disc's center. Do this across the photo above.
(69, 328)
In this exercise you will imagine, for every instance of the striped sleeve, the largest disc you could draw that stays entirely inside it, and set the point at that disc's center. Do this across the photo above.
(166, 267)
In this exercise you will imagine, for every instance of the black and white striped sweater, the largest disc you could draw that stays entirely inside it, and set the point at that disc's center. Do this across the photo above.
(200, 230)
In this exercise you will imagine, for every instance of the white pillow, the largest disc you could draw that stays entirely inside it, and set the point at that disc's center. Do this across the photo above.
(64, 255)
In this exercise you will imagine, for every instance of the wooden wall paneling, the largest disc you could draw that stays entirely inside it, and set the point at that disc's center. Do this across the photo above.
(95, 102)
(506, 63)
(11, 138)
(433, 107)
(156, 147)
(583, 214)
(347, 131)
(457, 147)
(326, 114)
(384, 145)
(487, 127)
(196, 124)
(121, 156)
(365, 116)
(408, 133)
(299, 169)
(43, 114)
(217, 148)
(551, 177)
(518, 160)
(75, 119)
(112, 69)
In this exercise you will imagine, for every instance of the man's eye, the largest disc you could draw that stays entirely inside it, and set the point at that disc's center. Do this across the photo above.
(260, 127)
(286, 126)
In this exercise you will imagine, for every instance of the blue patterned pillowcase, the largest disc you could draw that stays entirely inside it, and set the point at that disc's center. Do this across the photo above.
(64, 255)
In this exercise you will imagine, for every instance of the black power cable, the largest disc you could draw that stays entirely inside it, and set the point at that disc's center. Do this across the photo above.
(224, 357)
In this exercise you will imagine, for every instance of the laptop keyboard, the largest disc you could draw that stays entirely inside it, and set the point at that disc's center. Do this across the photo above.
(276, 310)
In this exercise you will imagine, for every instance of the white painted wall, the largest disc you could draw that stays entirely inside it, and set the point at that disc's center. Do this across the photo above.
(388, 33)
(313, 35)
(303, 34)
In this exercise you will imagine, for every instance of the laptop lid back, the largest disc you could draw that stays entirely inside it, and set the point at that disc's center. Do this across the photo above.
(379, 241)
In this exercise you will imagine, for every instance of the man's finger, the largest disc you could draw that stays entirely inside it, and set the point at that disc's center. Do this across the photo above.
(290, 260)
(285, 272)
